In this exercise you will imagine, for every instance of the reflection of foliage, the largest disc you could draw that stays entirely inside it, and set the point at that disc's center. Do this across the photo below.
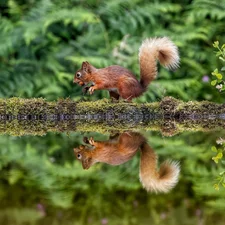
(220, 85)
(192, 150)
(49, 174)
(218, 159)
(43, 42)
(19, 216)
(219, 154)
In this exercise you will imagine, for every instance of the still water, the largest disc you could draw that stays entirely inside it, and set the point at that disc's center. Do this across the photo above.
(135, 176)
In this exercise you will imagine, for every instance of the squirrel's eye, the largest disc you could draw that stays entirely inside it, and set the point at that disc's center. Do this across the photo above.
(78, 75)
(79, 156)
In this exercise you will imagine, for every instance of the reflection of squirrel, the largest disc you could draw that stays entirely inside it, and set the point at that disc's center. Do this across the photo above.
(120, 81)
(121, 149)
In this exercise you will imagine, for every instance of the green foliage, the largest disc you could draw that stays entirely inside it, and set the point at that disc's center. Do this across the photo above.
(219, 159)
(48, 173)
(219, 154)
(43, 43)
(20, 216)
(196, 172)
(220, 85)
(218, 80)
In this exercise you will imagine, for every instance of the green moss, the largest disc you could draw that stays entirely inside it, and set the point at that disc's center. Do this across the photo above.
(170, 116)
(185, 109)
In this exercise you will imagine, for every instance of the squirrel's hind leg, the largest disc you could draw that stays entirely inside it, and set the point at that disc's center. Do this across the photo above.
(114, 95)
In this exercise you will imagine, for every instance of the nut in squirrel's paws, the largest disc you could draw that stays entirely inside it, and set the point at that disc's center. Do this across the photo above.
(85, 140)
(85, 89)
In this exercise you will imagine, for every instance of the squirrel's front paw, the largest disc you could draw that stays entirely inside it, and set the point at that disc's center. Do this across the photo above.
(91, 141)
(91, 89)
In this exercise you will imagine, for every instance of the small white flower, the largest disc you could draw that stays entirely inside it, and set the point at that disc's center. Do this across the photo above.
(219, 86)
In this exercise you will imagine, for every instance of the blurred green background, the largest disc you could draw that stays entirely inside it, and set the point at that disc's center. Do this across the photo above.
(42, 44)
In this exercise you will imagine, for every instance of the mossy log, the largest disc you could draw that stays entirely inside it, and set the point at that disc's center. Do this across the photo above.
(37, 116)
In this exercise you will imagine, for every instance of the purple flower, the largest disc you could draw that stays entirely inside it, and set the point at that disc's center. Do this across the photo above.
(104, 221)
(163, 216)
(135, 203)
(41, 209)
(205, 79)
(198, 212)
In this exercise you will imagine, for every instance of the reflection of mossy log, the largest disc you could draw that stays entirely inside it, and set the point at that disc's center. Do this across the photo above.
(37, 116)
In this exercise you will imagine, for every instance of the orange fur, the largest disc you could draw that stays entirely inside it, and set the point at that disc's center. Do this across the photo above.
(122, 82)
(114, 152)
(121, 149)
(152, 179)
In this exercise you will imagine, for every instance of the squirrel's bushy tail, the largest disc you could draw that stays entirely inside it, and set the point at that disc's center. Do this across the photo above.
(153, 50)
(152, 179)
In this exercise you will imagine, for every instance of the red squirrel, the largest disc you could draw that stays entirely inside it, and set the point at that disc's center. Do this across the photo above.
(121, 82)
(121, 149)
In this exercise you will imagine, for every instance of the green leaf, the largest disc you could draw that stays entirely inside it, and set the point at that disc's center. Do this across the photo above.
(216, 186)
(221, 58)
(223, 68)
(218, 53)
(215, 159)
(219, 76)
(216, 44)
(219, 155)
(214, 82)
(215, 72)
(214, 149)
(14, 176)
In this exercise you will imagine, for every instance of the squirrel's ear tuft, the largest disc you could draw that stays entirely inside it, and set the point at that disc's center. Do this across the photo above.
(83, 65)
(76, 150)
(81, 147)
(87, 163)
(86, 66)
